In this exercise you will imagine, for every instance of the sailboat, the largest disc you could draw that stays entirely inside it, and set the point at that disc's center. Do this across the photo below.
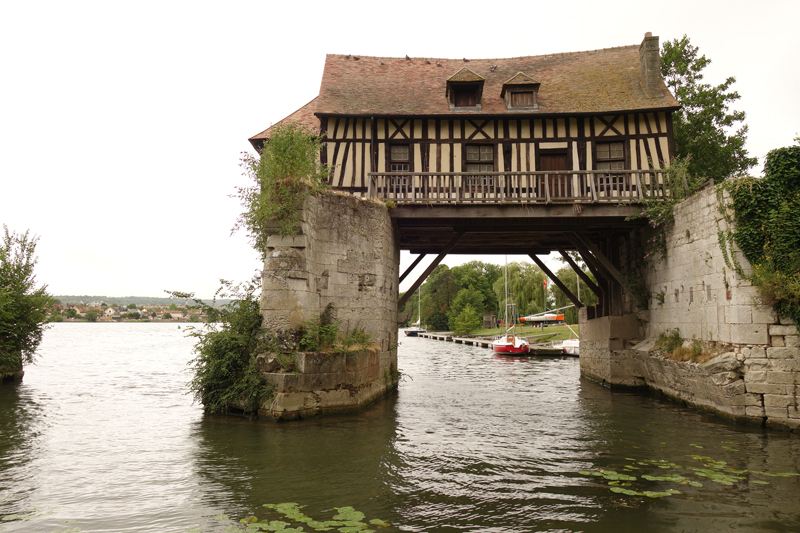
(509, 343)
(416, 328)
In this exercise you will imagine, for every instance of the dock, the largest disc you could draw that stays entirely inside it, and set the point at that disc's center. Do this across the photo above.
(484, 341)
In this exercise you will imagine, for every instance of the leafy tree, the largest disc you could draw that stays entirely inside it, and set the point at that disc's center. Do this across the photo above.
(91, 314)
(525, 288)
(481, 277)
(471, 298)
(135, 315)
(467, 321)
(287, 171)
(440, 290)
(703, 127)
(23, 306)
(70, 313)
(167, 316)
(173, 307)
(132, 306)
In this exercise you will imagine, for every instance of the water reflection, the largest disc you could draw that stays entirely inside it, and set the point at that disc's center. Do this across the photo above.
(321, 463)
(102, 432)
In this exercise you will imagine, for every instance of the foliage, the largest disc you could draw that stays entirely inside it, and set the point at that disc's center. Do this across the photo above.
(441, 289)
(659, 210)
(91, 314)
(225, 372)
(669, 341)
(701, 127)
(23, 306)
(467, 321)
(287, 171)
(480, 276)
(767, 221)
(526, 289)
(466, 298)
(70, 313)
(324, 333)
(167, 316)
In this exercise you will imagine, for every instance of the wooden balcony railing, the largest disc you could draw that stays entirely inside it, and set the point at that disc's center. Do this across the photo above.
(585, 186)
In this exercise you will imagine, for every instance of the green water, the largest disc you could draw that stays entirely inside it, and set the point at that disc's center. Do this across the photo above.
(101, 437)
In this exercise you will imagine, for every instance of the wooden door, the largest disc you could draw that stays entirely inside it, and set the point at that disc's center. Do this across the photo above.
(559, 185)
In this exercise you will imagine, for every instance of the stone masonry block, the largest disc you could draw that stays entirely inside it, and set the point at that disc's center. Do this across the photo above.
(749, 334)
(776, 412)
(758, 352)
(766, 388)
(763, 314)
(786, 320)
(785, 365)
(757, 376)
(756, 364)
(782, 352)
(782, 330)
(753, 410)
(782, 377)
(776, 340)
(778, 400)
(740, 314)
(791, 340)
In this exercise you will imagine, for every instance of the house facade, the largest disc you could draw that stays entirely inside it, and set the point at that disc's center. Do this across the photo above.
(573, 126)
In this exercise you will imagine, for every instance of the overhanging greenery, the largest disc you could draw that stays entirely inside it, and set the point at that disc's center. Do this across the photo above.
(766, 217)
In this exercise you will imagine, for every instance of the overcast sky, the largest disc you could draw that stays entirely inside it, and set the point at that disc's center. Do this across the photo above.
(121, 124)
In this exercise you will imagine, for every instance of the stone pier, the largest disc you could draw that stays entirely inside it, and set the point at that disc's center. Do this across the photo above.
(346, 256)
(756, 376)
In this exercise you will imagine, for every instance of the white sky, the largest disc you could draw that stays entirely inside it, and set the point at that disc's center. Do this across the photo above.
(121, 123)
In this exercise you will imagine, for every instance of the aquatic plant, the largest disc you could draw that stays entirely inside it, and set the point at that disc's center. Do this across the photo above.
(293, 520)
(711, 470)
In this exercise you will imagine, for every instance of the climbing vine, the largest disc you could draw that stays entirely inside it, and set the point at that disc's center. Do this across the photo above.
(766, 218)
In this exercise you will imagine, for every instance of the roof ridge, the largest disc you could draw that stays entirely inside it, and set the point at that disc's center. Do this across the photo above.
(432, 58)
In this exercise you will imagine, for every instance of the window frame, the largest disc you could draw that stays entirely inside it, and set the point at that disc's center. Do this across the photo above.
(391, 161)
(606, 174)
(480, 181)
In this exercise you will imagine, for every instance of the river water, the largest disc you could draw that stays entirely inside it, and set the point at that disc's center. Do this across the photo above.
(102, 437)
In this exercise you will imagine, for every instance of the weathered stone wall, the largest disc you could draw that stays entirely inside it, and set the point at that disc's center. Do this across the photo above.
(346, 255)
(755, 378)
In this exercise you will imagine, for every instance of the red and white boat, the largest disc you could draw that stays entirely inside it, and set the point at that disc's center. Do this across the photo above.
(510, 344)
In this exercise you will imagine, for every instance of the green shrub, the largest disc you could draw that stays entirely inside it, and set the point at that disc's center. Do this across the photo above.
(225, 372)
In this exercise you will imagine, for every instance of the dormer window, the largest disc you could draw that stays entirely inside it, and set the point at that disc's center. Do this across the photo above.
(464, 91)
(521, 93)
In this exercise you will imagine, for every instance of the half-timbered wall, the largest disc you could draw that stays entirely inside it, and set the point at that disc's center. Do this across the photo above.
(357, 146)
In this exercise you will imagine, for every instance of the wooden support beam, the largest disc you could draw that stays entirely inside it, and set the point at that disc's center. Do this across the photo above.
(554, 278)
(413, 265)
(581, 274)
(434, 264)
(603, 260)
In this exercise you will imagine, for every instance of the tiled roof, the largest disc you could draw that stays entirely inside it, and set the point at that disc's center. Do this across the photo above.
(595, 81)
(303, 117)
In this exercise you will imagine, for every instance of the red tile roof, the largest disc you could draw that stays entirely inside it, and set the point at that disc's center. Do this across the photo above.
(595, 81)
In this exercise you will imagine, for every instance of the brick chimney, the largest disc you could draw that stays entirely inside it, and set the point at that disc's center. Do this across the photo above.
(650, 66)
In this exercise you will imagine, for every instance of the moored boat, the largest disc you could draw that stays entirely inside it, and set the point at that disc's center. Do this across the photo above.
(510, 344)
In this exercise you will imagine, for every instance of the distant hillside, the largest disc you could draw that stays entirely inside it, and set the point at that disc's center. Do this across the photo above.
(136, 300)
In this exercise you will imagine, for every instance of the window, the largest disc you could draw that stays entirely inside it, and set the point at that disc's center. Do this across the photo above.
(480, 158)
(522, 99)
(611, 156)
(466, 96)
(399, 162)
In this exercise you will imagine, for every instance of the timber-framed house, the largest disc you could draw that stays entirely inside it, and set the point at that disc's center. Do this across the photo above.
(577, 127)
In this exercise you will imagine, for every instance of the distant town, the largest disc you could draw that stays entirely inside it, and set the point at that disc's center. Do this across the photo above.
(137, 309)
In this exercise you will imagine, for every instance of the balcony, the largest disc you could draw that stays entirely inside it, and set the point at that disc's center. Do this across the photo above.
(545, 187)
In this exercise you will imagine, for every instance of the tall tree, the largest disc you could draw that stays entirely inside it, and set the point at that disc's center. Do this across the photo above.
(23, 305)
(440, 290)
(707, 131)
